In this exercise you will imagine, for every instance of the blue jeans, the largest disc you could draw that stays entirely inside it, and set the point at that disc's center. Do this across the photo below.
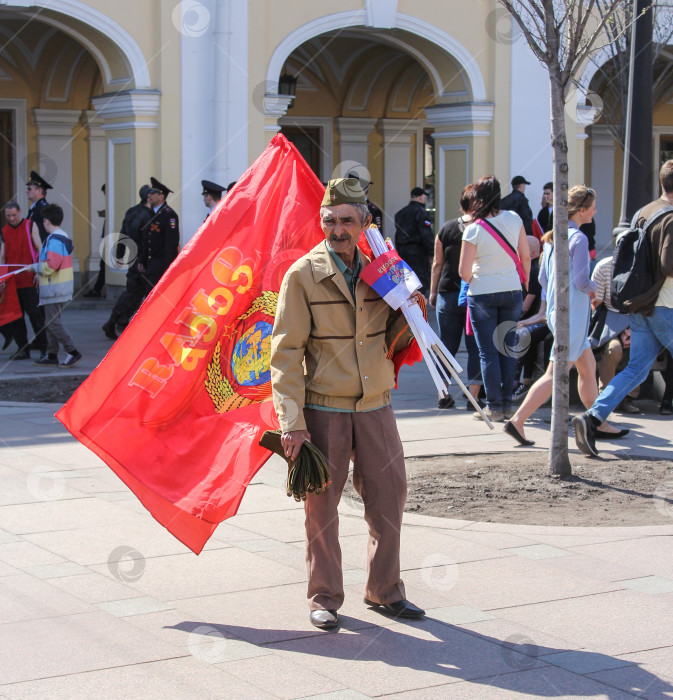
(493, 317)
(649, 334)
(451, 322)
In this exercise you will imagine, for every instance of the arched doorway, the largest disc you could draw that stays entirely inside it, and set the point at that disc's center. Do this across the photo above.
(398, 107)
(54, 66)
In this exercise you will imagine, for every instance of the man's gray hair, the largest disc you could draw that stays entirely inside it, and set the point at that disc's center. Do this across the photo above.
(362, 208)
(12, 205)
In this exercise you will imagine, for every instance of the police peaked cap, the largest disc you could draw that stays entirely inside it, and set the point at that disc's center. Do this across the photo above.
(212, 187)
(156, 185)
(35, 179)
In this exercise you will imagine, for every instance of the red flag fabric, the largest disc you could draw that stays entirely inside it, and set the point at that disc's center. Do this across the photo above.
(10, 310)
(180, 423)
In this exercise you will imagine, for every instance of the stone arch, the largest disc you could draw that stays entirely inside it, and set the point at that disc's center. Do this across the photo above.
(473, 77)
(120, 59)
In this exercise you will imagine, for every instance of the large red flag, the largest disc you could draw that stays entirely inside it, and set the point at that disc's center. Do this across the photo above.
(180, 423)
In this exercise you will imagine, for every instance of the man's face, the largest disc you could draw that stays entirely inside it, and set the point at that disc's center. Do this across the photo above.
(521, 187)
(13, 216)
(156, 198)
(34, 192)
(423, 198)
(547, 196)
(342, 226)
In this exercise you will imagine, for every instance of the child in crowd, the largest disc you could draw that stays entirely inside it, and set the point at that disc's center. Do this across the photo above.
(56, 287)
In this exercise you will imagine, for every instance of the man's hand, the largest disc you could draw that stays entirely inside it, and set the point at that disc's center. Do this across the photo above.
(293, 441)
(141, 267)
(433, 299)
(415, 296)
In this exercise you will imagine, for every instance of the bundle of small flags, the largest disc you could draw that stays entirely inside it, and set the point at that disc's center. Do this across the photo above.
(395, 281)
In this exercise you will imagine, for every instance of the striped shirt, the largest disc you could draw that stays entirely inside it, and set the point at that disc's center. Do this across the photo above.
(602, 276)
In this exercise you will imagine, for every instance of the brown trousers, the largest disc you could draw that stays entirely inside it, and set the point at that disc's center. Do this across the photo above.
(379, 477)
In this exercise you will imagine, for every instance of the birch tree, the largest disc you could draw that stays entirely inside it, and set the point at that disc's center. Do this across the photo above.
(563, 35)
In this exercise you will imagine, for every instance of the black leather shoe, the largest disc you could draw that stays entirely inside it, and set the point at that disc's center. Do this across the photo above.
(400, 608)
(109, 330)
(324, 619)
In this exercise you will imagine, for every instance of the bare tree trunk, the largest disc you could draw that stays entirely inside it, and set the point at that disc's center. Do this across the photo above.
(559, 464)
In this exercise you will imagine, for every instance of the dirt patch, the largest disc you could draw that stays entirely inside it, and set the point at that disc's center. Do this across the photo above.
(41, 389)
(513, 487)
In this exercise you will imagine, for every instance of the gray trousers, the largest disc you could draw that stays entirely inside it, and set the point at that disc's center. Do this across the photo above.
(56, 331)
(379, 477)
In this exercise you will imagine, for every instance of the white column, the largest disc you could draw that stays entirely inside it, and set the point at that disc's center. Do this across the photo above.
(398, 159)
(97, 200)
(54, 139)
(603, 181)
(201, 68)
(353, 145)
(214, 114)
(530, 118)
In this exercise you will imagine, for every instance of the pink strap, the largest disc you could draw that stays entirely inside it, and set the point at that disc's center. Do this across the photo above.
(33, 254)
(506, 248)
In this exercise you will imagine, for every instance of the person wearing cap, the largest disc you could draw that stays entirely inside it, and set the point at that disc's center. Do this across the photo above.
(160, 241)
(517, 202)
(36, 191)
(377, 214)
(331, 376)
(135, 219)
(212, 194)
(414, 237)
(19, 250)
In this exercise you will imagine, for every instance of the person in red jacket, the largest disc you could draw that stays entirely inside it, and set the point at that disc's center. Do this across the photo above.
(19, 250)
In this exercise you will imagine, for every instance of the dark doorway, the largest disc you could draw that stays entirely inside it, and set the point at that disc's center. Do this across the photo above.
(307, 141)
(7, 150)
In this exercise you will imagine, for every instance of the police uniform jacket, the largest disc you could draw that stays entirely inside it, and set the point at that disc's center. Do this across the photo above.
(35, 215)
(160, 241)
(413, 230)
(377, 215)
(517, 202)
(328, 348)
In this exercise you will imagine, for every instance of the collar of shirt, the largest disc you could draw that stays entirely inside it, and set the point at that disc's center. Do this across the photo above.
(351, 276)
(156, 209)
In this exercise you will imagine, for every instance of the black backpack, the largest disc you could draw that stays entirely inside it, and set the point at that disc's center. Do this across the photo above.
(632, 273)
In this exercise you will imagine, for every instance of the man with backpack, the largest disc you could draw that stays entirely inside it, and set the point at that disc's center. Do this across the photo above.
(645, 291)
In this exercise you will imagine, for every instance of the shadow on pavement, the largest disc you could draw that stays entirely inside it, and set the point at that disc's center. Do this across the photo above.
(457, 653)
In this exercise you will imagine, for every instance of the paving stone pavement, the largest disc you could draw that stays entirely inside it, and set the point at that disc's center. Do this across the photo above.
(98, 600)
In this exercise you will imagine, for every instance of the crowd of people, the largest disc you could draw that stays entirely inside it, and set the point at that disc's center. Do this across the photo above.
(491, 282)
(39, 251)
(488, 273)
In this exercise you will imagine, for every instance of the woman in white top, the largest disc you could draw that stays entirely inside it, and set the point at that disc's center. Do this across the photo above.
(487, 263)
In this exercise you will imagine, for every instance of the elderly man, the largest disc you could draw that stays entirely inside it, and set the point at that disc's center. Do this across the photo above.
(331, 378)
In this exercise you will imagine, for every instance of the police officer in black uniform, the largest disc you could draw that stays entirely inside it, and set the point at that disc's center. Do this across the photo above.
(160, 241)
(212, 194)
(36, 190)
(135, 219)
(414, 237)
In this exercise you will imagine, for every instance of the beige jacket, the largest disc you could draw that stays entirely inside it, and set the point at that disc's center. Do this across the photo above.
(328, 349)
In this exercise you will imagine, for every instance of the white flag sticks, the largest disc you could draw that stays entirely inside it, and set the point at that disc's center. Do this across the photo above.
(396, 285)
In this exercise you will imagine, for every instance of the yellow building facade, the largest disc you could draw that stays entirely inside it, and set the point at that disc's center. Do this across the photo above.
(405, 94)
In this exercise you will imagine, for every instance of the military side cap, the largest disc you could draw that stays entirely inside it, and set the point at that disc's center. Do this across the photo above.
(35, 179)
(159, 187)
(343, 190)
(212, 187)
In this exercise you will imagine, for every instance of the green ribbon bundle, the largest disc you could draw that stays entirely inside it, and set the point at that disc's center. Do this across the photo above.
(307, 474)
